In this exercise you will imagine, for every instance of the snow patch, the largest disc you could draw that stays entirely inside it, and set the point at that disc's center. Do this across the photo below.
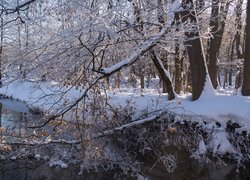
(58, 163)
(220, 144)
(202, 149)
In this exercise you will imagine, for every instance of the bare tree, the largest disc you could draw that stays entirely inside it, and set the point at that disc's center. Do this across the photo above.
(246, 75)
(194, 50)
(217, 24)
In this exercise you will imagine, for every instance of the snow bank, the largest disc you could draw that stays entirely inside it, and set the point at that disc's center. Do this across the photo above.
(211, 107)
(47, 96)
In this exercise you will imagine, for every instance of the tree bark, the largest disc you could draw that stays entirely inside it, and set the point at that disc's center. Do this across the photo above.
(238, 29)
(246, 75)
(217, 25)
(231, 60)
(178, 69)
(158, 64)
(194, 51)
(161, 20)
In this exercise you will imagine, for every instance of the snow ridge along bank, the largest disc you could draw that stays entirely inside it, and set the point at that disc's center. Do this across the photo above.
(213, 108)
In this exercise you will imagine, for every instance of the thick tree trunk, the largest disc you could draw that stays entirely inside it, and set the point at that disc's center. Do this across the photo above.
(246, 75)
(213, 43)
(178, 63)
(217, 25)
(197, 66)
(158, 64)
(195, 53)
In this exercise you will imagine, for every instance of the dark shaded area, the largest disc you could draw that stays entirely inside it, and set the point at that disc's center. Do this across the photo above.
(40, 170)
(188, 168)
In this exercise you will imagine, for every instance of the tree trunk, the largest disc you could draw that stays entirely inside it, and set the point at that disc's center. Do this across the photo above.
(238, 31)
(178, 70)
(118, 80)
(225, 78)
(231, 60)
(219, 80)
(160, 12)
(158, 64)
(238, 79)
(194, 50)
(142, 79)
(246, 75)
(161, 20)
(213, 43)
(217, 25)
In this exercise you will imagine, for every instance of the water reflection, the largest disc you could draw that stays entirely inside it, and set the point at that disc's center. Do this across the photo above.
(190, 169)
(195, 170)
(186, 170)
(13, 115)
(39, 170)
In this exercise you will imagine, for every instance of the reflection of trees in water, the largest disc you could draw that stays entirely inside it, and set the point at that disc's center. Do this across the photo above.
(13, 120)
(25, 169)
(33, 169)
(13, 123)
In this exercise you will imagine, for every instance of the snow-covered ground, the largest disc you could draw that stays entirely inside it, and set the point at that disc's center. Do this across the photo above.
(217, 107)
(220, 107)
(48, 96)
(212, 108)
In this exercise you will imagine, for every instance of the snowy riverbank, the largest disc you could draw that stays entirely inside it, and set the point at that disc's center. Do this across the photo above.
(214, 112)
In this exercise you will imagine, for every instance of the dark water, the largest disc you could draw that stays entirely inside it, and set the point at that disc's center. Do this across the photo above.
(186, 170)
(190, 169)
(39, 170)
(13, 116)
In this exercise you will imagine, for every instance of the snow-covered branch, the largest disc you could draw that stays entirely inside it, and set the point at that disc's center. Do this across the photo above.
(134, 123)
(56, 141)
(144, 46)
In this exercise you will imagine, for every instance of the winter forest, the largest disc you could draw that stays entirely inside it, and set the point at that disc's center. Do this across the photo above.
(124, 89)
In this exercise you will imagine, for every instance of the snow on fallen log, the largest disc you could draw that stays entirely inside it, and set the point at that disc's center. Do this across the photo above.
(133, 123)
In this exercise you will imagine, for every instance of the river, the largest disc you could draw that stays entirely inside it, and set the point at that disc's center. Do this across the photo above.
(13, 115)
